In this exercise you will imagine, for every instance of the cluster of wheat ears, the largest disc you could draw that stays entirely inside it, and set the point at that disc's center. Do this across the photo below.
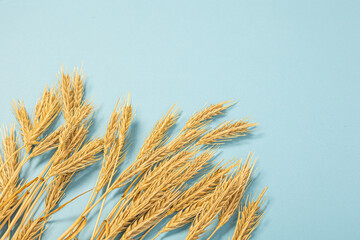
(154, 185)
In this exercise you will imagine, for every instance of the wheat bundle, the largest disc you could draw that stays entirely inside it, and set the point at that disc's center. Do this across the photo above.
(154, 187)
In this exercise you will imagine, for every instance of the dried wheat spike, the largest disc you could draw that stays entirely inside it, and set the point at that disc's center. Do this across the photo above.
(114, 156)
(11, 159)
(23, 119)
(79, 160)
(46, 111)
(72, 92)
(151, 217)
(31, 231)
(76, 137)
(165, 168)
(141, 202)
(189, 201)
(158, 133)
(226, 131)
(78, 87)
(47, 143)
(138, 203)
(161, 186)
(221, 195)
(112, 129)
(160, 179)
(200, 189)
(230, 206)
(206, 114)
(75, 126)
(180, 142)
(9, 174)
(249, 218)
(184, 216)
(56, 191)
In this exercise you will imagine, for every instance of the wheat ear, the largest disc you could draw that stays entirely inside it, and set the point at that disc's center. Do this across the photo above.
(24, 122)
(227, 131)
(150, 218)
(233, 202)
(219, 197)
(206, 114)
(158, 133)
(116, 158)
(173, 179)
(184, 216)
(249, 218)
(9, 175)
(80, 159)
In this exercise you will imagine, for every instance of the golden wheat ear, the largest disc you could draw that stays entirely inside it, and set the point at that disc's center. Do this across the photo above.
(151, 217)
(185, 216)
(46, 111)
(207, 114)
(79, 160)
(227, 131)
(158, 133)
(114, 142)
(10, 162)
(229, 207)
(249, 217)
(24, 122)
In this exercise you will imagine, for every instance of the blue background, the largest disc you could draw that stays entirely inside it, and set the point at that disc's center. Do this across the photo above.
(293, 66)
